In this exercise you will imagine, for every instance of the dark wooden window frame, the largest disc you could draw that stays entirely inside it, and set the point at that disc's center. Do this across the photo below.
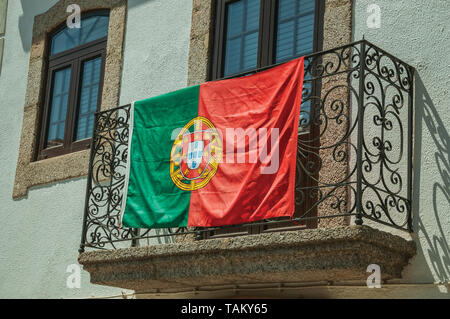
(73, 58)
(266, 59)
(266, 35)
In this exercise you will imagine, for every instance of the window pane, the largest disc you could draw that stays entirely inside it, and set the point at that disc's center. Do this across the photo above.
(241, 43)
(295, 29)
(87, 104)
(58, 107)
(92, 28)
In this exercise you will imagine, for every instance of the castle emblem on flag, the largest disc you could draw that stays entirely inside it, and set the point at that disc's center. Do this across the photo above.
(195, 154)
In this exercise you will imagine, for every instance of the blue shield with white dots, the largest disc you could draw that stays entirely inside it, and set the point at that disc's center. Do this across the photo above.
(195, 154)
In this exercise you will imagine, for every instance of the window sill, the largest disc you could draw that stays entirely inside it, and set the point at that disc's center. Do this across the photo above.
(313, 255)
(53, 169)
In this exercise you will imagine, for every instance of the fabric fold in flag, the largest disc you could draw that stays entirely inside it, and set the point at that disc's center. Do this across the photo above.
(219, 153)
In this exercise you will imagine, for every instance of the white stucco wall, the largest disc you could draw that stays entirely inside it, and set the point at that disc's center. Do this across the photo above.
(41, 233)
(418, 32)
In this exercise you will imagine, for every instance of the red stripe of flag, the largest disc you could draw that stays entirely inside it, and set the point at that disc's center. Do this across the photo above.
(239, 192)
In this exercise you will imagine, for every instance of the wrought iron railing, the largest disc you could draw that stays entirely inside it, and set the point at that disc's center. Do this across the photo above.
(354, 158)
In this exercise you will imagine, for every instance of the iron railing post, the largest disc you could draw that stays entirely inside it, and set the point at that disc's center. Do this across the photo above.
(410, 147)
(135, 240)
(88, 187)
(360, 119)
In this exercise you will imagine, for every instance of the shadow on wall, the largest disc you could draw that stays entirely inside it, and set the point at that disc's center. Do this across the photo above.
(30, 8)
(438, 250)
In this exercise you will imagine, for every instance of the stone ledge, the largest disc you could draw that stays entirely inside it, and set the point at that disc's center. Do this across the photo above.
(333, 254)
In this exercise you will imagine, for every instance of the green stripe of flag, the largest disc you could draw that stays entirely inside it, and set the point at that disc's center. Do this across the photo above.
(155, 199)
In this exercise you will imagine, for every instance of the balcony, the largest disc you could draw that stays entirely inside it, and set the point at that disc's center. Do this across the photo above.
(353, 190)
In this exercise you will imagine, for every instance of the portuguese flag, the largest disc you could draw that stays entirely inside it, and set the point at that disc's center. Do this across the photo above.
(219, 153)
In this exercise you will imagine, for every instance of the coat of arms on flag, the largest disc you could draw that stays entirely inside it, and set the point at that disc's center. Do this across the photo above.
(195, 155)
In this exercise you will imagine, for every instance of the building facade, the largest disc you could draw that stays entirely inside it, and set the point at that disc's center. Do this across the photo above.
(54, 76)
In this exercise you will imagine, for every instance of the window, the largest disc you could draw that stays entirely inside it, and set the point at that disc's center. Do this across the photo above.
(49, 54)
(253, 34)
(241, 36)
(74, 85)
(295, 29)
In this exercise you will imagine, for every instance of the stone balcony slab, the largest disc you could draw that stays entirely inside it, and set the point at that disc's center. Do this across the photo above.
(324, 254)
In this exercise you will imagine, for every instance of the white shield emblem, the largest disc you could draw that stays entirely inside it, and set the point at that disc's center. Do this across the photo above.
(195, 154)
